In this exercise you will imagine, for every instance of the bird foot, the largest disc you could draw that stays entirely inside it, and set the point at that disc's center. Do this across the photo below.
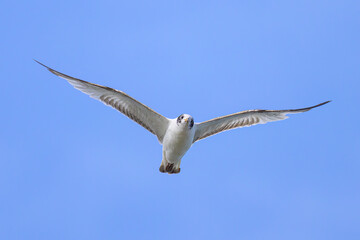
(170, 169)
(175, 171)
(162, 168)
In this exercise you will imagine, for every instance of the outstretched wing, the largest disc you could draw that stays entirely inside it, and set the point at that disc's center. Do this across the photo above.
(243, 119)
(143, 115)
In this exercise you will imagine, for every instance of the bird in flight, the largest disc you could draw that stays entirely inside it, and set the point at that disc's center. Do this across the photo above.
(178, 134)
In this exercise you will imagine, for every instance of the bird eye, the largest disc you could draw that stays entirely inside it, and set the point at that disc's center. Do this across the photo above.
(179, 118)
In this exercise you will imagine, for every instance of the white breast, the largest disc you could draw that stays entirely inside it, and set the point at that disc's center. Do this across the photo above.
(177, 141)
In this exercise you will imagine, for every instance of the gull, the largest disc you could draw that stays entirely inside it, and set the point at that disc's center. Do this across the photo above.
(179, 134)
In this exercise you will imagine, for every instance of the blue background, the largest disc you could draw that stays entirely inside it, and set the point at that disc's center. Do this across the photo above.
(72, 168)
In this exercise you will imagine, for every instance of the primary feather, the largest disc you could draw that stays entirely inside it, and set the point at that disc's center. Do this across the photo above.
(243, 119)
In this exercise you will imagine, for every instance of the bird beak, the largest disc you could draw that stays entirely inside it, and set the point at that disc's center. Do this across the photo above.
(186, 119)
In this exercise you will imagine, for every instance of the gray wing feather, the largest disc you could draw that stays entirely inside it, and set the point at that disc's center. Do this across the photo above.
(243, 119)
(140, 113)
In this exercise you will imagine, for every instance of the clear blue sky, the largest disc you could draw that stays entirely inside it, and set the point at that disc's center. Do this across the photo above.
(72, 168)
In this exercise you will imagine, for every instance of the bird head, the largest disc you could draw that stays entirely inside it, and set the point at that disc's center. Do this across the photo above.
(185, 120)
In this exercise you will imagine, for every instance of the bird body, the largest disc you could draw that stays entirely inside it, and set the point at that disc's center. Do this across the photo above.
(176, 135)
(177, 141)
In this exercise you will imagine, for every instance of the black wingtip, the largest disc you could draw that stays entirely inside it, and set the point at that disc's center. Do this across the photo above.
(321, 104)
(50, 69)
(318, 105)
(307, 108)
(41, 64)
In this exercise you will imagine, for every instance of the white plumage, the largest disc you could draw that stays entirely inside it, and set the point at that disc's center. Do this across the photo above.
(176, 135)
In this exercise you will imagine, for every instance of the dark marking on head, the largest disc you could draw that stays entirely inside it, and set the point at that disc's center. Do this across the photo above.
(191, 123)
(178, 121)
